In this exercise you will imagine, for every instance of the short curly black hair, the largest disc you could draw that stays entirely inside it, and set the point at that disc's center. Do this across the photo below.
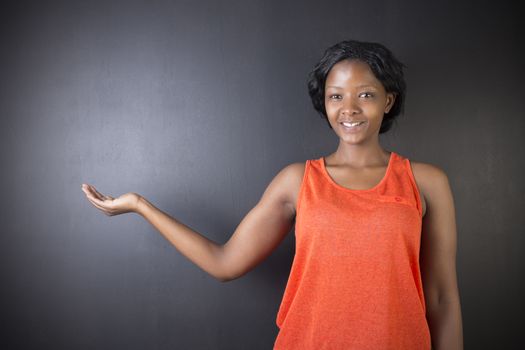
(386, 68)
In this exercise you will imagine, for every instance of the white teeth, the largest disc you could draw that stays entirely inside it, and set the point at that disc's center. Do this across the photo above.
(352, 124)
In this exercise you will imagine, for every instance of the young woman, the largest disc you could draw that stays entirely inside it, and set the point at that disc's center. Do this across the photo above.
(375, 260)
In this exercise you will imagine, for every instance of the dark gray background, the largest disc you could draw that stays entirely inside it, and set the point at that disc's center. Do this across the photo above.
(196, 105)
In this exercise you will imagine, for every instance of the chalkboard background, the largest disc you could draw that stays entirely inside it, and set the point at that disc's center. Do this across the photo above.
(197, 105)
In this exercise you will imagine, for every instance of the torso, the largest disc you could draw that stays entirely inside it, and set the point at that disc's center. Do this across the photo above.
(361, 179)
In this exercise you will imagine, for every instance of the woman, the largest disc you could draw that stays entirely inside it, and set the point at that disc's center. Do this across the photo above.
(374, 266)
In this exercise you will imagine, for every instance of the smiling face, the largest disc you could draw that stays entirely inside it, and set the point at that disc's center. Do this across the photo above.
(353, 93)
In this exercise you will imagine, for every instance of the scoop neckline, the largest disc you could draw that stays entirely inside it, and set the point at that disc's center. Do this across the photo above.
(332, 181)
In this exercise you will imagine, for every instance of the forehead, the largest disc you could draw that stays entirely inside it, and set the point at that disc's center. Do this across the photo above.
(351, 71)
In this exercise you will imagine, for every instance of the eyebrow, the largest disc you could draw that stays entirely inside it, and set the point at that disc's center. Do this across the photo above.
(360, 86)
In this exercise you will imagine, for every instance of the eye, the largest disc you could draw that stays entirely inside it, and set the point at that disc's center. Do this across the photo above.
(366, 94)
(334, 97)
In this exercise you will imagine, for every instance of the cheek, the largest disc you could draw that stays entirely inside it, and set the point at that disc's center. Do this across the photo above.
(373, 108)
(329, 107)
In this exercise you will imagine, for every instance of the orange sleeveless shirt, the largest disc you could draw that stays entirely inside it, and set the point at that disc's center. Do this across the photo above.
(355, 280)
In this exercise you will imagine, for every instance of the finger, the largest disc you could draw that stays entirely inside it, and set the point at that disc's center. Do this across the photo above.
(103, 209)
(96, 194)
(100, 194)
(88, 190)
(96, 200)
(85, 188)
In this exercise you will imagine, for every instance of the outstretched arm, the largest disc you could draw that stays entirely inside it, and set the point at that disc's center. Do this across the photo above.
(258, 234)
(438, 263)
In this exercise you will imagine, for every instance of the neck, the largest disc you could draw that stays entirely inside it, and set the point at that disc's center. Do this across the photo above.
(358, 156)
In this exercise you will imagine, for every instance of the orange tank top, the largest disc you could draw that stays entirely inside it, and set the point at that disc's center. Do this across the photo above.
(355, 280)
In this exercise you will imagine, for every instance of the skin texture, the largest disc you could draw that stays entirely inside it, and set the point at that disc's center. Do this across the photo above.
(352, 93)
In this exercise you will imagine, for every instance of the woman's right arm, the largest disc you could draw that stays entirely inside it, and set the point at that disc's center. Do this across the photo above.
(258, 234)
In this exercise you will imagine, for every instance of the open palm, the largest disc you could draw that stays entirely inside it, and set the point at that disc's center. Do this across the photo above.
(110, 206)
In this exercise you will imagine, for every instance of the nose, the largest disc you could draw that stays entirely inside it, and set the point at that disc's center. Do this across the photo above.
(350, 106)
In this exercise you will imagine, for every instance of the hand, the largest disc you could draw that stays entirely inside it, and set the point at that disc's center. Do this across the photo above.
(111, 206)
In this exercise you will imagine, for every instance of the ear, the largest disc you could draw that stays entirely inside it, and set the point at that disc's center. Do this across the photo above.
(390, 99)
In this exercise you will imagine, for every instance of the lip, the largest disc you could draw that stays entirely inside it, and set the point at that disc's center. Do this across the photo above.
(353, 129)
(351, 121)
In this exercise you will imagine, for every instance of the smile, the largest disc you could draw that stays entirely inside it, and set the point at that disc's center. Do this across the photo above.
(350, 124)
(353, 127)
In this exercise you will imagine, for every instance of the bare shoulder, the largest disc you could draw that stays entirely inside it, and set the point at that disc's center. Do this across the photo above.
(290, 179)
(431, 181)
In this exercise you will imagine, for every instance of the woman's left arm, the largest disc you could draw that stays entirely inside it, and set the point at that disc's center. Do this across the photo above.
(438, 262)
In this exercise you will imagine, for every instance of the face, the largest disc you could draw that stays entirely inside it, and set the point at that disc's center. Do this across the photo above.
(354, 94)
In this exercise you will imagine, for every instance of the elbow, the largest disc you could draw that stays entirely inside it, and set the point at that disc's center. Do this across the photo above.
(225, 278)
(223, 275)
(229, 271)
(225, 272)
(220, 272)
